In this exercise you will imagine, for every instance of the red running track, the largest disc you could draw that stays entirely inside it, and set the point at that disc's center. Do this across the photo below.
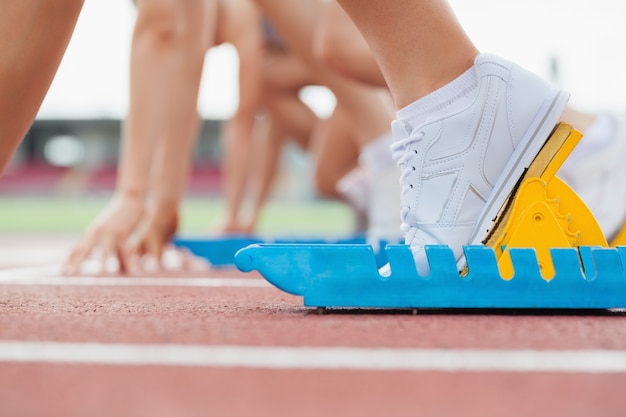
(222, 343)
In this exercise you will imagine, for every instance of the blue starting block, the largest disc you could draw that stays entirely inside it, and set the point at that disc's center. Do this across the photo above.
(347, 276)
(545, 250)
(220, 252)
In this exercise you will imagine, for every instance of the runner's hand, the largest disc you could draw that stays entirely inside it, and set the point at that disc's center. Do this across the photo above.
(108, 234)
(161, 226)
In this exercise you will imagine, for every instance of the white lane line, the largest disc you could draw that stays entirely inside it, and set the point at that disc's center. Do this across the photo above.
(139, 281)
(40, 270)
(93, 267)
(51, 275)
(285, 358)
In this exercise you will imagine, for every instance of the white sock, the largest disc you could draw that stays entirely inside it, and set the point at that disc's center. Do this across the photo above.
(376, 155)
(452, 97)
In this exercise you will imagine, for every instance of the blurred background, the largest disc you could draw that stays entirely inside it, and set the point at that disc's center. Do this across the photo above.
(64, 172)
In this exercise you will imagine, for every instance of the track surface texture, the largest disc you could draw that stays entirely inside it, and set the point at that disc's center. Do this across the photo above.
(217, 342)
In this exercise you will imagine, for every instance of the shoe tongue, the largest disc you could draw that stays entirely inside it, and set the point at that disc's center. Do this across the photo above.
(400, 130)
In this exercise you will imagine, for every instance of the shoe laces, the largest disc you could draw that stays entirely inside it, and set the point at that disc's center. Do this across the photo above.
(404, 156)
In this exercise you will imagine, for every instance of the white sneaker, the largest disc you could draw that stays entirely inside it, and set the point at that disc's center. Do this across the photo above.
(458, 170)
(596, 172)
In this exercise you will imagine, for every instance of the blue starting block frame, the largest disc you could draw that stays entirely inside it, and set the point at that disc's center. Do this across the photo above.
(220, 252)
(346, 276)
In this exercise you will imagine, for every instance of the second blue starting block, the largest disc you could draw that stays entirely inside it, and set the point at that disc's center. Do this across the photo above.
(220, 251)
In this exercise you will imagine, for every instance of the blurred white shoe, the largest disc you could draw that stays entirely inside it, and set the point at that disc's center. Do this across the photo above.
(383, 206)
(459, 167)
(596, 170)
(354, 187)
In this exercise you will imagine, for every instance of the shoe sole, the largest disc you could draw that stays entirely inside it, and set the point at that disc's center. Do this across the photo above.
(532, 156)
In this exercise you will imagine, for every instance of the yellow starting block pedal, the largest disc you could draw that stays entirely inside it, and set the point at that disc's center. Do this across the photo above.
(545, 212)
